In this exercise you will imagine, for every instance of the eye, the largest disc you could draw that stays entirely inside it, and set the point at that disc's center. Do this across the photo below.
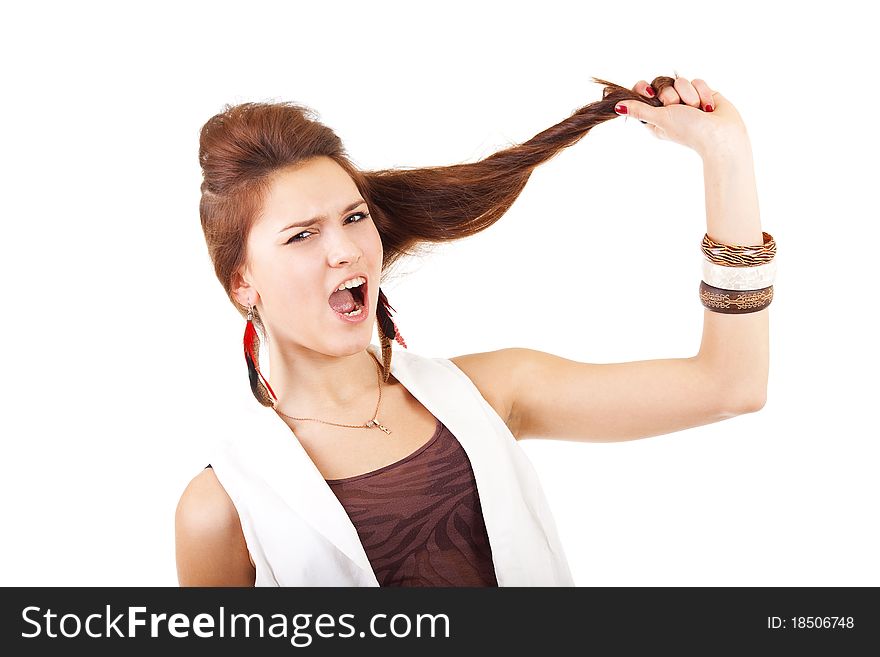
(363, 216)
(297, 238)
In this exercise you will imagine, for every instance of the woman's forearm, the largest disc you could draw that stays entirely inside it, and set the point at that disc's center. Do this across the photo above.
(735, 347)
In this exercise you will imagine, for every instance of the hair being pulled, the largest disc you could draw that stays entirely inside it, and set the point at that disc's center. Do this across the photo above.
(244, 145)
(444, 203)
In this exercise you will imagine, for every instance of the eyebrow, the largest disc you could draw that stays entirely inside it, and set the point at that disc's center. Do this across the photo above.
(321, 218)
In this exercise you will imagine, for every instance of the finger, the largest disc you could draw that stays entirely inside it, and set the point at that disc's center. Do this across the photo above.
(686, 92)
(638, 109)
(669, 96)
(706, 100)
(644, 89)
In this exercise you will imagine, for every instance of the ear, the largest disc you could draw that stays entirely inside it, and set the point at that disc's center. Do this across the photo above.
(242, 290)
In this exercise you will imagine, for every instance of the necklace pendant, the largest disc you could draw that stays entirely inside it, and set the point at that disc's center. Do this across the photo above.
(374, 423)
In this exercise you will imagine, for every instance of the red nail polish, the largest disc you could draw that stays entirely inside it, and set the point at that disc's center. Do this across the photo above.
(650, 92)
(620, 109)
(709, 108)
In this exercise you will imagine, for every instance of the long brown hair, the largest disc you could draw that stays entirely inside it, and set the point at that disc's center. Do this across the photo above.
(244, 145)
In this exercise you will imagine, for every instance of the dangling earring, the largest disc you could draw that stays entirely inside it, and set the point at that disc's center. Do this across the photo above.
(259, 385)
(387, 328)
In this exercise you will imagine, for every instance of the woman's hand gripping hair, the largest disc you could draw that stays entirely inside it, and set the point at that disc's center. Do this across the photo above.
(685, 111)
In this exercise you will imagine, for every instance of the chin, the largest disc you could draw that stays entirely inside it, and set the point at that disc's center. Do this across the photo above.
(353, 343)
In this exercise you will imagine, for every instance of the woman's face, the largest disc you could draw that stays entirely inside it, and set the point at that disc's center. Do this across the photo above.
(313, 233)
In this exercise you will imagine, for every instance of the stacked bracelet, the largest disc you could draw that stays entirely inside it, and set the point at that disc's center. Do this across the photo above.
(737, 279)
(735, 301)
(739, 256)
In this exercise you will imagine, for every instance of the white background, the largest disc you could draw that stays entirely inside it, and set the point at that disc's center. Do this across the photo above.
(121, 345)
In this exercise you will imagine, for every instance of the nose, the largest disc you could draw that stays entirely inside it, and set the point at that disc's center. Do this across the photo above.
(343, 251)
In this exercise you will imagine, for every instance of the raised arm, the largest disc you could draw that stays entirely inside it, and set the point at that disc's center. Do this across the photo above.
(564, 399)
(541, 395)
(735, 348)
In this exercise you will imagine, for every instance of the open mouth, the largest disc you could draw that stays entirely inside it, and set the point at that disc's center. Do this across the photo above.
(349, 303)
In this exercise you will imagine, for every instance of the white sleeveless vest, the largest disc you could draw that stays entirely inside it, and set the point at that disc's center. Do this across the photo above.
(299, 534)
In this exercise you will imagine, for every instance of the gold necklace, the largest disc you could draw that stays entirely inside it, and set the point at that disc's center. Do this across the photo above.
(367, 425)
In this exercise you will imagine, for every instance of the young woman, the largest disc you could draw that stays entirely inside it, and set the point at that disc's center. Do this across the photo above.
(365, 470)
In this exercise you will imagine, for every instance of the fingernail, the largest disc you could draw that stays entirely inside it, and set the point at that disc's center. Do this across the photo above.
(620, 109)
(649, 91)
(709, 108)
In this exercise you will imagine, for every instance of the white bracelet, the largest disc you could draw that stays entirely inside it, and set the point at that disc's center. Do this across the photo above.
(739, 278)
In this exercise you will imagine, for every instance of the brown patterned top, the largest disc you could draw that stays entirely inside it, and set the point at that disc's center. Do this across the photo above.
(419, 518)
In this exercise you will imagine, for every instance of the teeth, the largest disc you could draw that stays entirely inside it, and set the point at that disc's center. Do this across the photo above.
(354, 282)
(354, 313)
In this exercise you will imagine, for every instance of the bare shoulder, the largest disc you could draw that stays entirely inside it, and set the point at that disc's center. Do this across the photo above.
(210, 545)
(497, 375)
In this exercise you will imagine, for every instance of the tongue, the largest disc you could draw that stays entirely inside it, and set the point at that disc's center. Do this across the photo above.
(342, 301)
